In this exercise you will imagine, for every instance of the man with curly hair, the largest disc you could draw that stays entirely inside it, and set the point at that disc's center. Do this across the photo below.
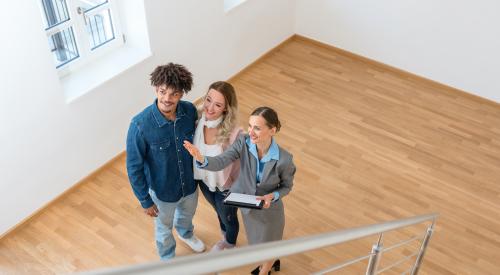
(159, 170)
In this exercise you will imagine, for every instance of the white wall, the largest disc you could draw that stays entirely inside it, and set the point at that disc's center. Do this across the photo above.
(47, 145)
(453, 42)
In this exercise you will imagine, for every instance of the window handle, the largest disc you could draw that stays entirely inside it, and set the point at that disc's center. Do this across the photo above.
(81, 11)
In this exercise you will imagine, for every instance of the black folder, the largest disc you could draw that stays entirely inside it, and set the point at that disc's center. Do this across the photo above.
(243, 200)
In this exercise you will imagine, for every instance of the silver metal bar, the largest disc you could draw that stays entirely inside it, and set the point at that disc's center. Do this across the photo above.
(397, 263)
(228, 259)
(403, 242)
(375, 256)
(341, 265)
(423, 247)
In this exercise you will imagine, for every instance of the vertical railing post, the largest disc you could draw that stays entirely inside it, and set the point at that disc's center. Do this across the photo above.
(371, 269)
(423, 247)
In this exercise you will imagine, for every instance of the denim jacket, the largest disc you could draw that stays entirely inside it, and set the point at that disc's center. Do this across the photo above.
(156, 158)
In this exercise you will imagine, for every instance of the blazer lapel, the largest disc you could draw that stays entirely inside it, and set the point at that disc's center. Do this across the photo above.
(253, 173)
(267, 169)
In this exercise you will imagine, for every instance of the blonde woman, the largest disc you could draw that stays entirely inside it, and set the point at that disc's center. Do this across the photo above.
(216, 131)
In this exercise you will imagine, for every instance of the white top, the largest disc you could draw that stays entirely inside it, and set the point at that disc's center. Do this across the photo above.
(221, 179)
(211, 178)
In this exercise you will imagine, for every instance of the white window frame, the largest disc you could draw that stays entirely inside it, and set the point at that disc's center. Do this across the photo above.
(231, 4)
(77, 20)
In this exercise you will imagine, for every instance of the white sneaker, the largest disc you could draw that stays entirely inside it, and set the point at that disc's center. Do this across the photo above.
(221, 245)
(196, 244)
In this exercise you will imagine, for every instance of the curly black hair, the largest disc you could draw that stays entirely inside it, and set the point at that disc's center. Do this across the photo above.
(174, 76)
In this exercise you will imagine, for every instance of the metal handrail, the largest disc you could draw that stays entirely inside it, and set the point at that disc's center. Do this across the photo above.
(228, 259)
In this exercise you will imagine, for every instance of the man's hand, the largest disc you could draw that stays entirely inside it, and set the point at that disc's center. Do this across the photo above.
(152, 211)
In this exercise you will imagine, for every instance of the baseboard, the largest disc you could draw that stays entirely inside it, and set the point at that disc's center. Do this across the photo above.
(398, 71)
(20, 225)
(262, 57)
(259, 59)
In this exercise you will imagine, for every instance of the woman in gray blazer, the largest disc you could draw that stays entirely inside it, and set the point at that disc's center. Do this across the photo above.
(267, 170)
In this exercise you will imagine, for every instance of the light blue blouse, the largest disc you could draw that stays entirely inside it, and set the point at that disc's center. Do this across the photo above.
(272, 153)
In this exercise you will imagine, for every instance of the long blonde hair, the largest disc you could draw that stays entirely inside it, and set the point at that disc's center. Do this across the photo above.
(230, 115)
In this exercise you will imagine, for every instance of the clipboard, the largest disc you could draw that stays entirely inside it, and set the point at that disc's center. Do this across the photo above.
(243, 200)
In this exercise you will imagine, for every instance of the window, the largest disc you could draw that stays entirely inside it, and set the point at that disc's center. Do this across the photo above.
(231, 4)
(78, 31)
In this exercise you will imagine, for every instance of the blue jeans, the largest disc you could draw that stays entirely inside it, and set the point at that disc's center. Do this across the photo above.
(179, 214)
(227, 215)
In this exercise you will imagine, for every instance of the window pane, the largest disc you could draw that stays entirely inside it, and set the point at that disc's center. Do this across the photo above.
(100, 28)
(90, 4)
(63, 46)
(231, 4)
(56, 11)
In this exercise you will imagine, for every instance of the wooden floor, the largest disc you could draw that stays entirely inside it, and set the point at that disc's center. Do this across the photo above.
(370, 144)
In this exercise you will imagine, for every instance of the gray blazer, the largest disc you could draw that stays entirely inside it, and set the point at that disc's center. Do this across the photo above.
(277, 175)
(267, 224)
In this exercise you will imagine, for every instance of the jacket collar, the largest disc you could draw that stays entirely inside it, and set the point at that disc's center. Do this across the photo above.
(162, 120)
(272, 154)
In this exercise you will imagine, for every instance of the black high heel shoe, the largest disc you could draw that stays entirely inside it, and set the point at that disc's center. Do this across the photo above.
(276, 266)
(257, 270)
